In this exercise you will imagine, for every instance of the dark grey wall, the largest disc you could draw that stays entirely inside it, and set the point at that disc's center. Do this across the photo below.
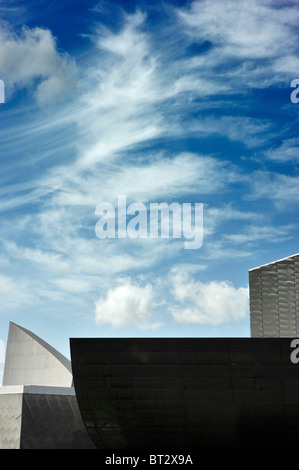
(187, 393)
(52, 422)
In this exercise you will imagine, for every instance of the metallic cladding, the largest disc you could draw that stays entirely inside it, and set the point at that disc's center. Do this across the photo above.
(274, 298)
(38, 406)
(187, 393)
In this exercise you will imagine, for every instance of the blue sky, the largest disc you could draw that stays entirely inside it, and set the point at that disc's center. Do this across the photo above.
(184, 102)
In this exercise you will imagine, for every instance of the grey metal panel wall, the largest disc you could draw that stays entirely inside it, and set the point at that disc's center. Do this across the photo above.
(52, 422)
(286, 297)
(274, 299)
(38, 406)
(270, 300)
(180, 393)
(41, 418)
(255, 296)
(10, 420)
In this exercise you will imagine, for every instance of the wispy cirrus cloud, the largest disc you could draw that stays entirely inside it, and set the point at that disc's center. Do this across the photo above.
(137, 99)
(255, 233)
(281, 189)
(287, 151)
(15, 293)
(257, 31)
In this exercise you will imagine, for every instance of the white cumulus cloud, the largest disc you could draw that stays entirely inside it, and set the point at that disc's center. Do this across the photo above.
(212, 303)
(127, 304)
(33, 56)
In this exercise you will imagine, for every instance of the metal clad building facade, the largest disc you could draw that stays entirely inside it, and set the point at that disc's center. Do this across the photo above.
(274, 298)
(187, 393)
(38, 405)
(163, 393)
(41, 418)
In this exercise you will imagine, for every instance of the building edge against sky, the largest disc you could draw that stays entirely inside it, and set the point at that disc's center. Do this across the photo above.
(39, 404)
(274, 298)
(31, 361)
(180, 394)
(175, 393)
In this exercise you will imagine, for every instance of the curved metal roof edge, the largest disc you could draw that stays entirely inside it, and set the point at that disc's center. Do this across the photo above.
(60, 357)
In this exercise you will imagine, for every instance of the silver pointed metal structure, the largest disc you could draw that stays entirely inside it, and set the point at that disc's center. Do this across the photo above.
(31, 361)
(38, 404)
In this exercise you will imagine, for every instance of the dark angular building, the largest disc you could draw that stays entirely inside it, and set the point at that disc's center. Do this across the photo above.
(187, 393)
(163, 394)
